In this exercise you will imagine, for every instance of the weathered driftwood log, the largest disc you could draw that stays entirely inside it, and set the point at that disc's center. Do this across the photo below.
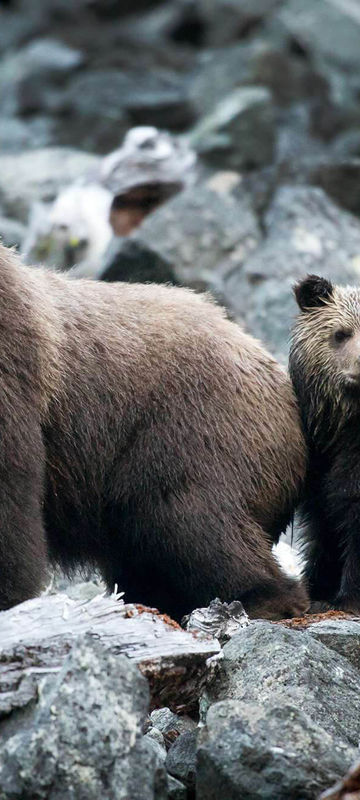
(36, 636)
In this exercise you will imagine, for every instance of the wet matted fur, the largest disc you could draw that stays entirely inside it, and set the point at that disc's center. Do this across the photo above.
(325, 369)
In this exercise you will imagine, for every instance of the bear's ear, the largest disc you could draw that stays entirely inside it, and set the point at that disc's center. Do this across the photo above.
(312, 291)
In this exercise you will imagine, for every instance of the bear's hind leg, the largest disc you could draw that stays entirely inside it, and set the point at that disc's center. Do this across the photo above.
(190, 552)
(279, 597)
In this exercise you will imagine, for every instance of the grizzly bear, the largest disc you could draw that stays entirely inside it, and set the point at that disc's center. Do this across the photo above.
(145, 435)
(325, 370)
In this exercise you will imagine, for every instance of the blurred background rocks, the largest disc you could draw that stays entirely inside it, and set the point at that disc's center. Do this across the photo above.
(214, 144)
(208, 143)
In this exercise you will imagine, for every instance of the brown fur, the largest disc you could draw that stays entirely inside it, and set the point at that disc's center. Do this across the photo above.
(325, 369)
(145, 434)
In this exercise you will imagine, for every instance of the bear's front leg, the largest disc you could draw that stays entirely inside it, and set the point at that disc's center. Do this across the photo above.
(348, 597)
(343, 514)
(23, 550)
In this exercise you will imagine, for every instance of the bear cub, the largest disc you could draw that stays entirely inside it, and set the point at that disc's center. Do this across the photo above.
(325, 370)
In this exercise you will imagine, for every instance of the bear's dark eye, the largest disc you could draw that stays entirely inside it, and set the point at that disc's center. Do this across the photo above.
(341, 335)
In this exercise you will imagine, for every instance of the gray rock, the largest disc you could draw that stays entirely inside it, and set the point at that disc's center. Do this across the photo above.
(347, 144)
(156, 738)
(12, 232)
(294, 139)
(165, 721)
(250, 751)
(226, 20)
(270, 665)
(28, 74)
(259, 62)
(18, 26)
(38, 176)
(306, 233)
(327, 30)
(176, 789)
(341, 635)
(85, 740)
(189, 237)
(218, 72)
(17, 135)
(181, 758)
(338, 177)
(156, 97)
(240, 132)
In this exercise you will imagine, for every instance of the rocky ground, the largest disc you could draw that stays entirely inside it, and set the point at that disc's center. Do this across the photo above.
(260, 100)
(99, 698)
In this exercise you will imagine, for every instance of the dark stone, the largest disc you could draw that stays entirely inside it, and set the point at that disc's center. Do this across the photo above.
(181, 758)
(338, 177)
(341, 181)
(294, 139)
(217, 73)
(239, 133)
(166, 722)
(259, 62)
(131, 260)
(175, 789)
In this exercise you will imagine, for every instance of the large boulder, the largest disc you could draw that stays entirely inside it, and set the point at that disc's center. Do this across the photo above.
(188, 239)
(84, 740)
(306, 233)
(281, 716)
(268, 663)
(248, 753)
